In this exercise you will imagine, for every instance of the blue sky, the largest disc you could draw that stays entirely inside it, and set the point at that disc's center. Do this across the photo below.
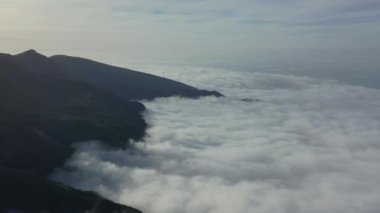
(182, 30)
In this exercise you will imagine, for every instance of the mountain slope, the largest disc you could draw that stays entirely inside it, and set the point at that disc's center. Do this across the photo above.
(40, 64)
(126, 83)
(59, 104)
(23, 191)
(41, 114)
(47, 104)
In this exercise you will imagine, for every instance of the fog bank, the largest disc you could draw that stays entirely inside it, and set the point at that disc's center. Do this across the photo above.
(306, 146)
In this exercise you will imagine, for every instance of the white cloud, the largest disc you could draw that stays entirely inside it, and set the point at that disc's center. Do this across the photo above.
(306, 146)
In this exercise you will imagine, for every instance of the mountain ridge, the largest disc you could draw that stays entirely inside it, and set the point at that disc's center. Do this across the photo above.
(127, 83)
(48, 103)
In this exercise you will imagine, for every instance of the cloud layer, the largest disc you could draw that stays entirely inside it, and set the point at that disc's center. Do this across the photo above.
(306, 146)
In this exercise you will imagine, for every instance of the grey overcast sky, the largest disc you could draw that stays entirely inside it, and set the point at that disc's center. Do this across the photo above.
(183, 30)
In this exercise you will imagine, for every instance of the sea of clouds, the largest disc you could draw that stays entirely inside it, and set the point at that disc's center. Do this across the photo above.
(304, 145)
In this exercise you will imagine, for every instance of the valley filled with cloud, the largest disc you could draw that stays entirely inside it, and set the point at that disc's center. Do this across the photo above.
(294, 145)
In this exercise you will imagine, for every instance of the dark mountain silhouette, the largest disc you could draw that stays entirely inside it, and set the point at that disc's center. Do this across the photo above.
(126, 83)
(40, 64)
(46, 104)
(28, 192)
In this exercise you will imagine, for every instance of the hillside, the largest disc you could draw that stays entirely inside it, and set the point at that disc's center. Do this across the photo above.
(126, 83)
(47, 104)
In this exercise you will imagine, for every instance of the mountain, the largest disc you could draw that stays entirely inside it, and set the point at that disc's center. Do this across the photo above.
(23, 191)
(126, 83)
(40, 64)
(42, 113)
(47, 104)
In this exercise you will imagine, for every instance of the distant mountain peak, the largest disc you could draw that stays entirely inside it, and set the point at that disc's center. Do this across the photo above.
(30, 53)
(40, 64)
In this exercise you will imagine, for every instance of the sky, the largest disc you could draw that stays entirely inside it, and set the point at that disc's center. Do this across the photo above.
(207, 31)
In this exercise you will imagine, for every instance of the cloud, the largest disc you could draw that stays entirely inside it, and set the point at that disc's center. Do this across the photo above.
(306, 146)
(369, 5)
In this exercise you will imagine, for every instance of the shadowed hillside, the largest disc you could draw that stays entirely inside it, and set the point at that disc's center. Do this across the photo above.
(28, 192)
(47, 104)
(126, 83)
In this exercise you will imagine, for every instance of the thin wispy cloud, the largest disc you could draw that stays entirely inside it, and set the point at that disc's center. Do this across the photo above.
(365, 6)
(163, 28)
